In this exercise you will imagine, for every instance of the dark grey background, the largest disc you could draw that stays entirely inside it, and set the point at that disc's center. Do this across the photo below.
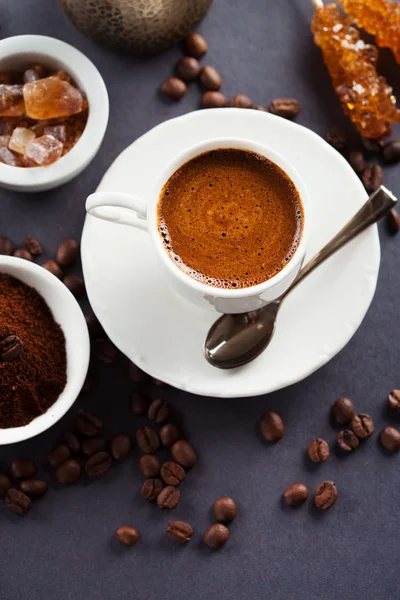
(64, 548)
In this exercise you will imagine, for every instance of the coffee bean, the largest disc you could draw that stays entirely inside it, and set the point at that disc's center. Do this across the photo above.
(173, 88)
(33, 246)
(213, 100)
(59, 455)
(391, 151)
(149, 465)
(75, 284)
(216, 536)
(23, 468)
(183, 453)
(10, 348)
(23, 253)
(148, 440)
(210, 78)
(120, 447)
(53, 268)
(104, 350)
(87, 384)
(347, 440)
(295, 494)
(151, 489)
(127, 535)
(140, 403)
(137, 374)
(98, 464)
(372, 145)
(288, 108)
(325, 495)
(67, 253)
(93, 325)
(18, 502)
(363, 426)
(180, 532)
(318, 450)
(260, 107)
(88, 424)
(342, 411)
(389, 437)
(158, 411)
(338, 138)
(372, 177)
(92, 445)
(168, 497)
(159, 383)
(188, 68)
(271, 427)
(169, 434)
(172, 473)
(5, 484)
(72, 441)
(241, 101)
(196, 45)
(357, 160)
(6, 246)
(394, 400)
(393, 221)
(34, 488)
(68, 472)
(224, 509)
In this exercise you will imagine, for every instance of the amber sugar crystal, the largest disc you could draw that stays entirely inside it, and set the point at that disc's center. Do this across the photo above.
(11, 100)
(50, 98)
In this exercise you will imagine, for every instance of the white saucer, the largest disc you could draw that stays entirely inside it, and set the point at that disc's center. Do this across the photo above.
(163, 334)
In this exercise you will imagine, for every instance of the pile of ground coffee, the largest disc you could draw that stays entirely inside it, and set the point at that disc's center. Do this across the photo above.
(33, 363)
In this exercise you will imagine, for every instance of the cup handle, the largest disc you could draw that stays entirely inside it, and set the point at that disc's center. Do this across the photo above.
(107, 205)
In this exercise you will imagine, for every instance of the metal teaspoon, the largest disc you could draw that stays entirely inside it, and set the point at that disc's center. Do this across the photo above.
(235, 340)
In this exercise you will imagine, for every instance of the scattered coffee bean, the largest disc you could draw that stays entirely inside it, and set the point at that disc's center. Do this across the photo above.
(23, 253)
(120, 447)
(180, 532)
(295, 494)
(357, 160)
(104, 350)
(88, 384)
(342, 411)
(271, 427)
(394, 400)
(172, 473)
(5, 484)
(325, 495)
(93, 325)
(288, 108)
(318, 450)
(173, 88)
(260, 107)
(188, 68)
(23, 468)
(92, 445)
(210, 78)
(75, 284)
(33, 246)
(216, 536)
(127, 535)
(53, 268)
(347, 440)
(389, 437)
(149, 465)
(98, 464)
(158, 411)
(241, 101)
(363, 426)
(394, 221)
(140, 403)
(372, 177)
(213, 100)
(183, 453)
(151, 488)
(58, 455)
(168, 497)
(372, 145)
(159, 383)
(67, 253)
(88, 424)
(34, 488)
(196, 45)
(18, 502)
(338, 138)
(148, 440)
(391, 151)
(10, 348)
(72, 441)
(6, 246)
(137, 374)
(68, 472)
(169, 434)
(224, 509)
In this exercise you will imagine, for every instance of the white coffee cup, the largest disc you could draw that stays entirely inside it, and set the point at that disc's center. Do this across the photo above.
(142, 214)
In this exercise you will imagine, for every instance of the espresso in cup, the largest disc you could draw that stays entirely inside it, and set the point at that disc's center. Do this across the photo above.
(230, 218)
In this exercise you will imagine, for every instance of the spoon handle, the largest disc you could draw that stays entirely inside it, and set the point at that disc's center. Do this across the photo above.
(379, 203)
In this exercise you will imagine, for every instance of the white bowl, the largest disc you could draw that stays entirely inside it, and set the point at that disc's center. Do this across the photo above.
(68, 314)
(23, 50)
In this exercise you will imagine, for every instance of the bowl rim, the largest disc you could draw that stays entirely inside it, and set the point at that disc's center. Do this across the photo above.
(89, 79)
(75, 331)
